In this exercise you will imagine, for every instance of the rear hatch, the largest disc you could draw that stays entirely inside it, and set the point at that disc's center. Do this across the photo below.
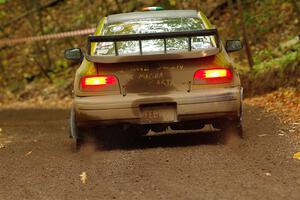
(144, 75)
(156, 77)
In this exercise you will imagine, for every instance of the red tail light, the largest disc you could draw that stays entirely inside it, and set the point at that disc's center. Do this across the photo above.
(92, 83)
(216, 75)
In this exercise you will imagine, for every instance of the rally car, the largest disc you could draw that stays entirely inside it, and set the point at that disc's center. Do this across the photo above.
(154, 70)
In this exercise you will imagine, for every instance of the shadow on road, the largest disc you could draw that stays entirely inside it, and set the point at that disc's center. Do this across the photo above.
(155, 141)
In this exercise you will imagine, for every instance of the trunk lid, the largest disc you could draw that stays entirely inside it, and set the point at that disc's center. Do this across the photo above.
(156, 77)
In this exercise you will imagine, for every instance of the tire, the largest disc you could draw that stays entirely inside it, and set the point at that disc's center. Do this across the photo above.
(77, 133)
(78, 143)
(83, 135)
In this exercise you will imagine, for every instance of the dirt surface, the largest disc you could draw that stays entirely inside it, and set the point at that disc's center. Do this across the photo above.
(37, 162)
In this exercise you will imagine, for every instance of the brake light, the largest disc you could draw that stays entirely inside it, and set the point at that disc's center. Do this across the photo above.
(97, 82)
(219, 75)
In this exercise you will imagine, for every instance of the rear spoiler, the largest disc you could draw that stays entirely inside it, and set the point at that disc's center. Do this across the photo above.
(150, 56)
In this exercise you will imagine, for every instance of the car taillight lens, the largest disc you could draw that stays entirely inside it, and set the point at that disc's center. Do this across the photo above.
(94, 83)
(219, 75)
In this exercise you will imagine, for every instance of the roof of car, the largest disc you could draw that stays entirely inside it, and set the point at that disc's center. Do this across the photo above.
(111, 19)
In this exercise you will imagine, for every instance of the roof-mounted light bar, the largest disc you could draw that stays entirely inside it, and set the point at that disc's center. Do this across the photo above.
(153, 8)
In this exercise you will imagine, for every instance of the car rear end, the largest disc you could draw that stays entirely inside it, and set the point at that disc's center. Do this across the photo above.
(184, 93)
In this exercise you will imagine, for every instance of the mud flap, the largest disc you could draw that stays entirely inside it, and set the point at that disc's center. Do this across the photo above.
(241, 105)
(73, 130)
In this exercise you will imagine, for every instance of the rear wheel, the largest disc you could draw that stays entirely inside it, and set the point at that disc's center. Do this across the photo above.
(79, 134)
(79, 141)
(83, 135)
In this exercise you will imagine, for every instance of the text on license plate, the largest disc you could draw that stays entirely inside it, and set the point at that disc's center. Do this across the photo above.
(159, 114)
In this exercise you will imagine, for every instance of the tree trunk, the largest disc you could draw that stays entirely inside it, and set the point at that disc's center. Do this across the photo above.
(38, 47)
(296, 7)
(233, 21)
(245, 36)
(41, 29)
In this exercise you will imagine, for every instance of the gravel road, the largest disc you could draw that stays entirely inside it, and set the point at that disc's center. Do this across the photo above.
(37, 162)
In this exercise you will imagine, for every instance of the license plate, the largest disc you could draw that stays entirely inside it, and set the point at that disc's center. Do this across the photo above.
(159, 114)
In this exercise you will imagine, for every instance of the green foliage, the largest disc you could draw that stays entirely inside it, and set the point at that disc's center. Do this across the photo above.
(15, 86)
(267, 54)
(4, 62)
(276, 60)
(2, 14)
(276, 64)
(266, 16)
(48, 29)
(274, 68)
(79, 19)
(60, 82)
(269, 22)
(60, 67)
(61, 64)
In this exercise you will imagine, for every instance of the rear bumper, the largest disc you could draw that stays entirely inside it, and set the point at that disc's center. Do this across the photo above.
(201, 104)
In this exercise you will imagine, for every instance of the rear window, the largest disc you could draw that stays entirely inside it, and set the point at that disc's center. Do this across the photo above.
(153, 26)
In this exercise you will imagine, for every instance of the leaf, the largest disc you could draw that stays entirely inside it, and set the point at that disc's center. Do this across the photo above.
(268, 174)
(297, 156)
(262, 135)
(28, 153)
(83, 177)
